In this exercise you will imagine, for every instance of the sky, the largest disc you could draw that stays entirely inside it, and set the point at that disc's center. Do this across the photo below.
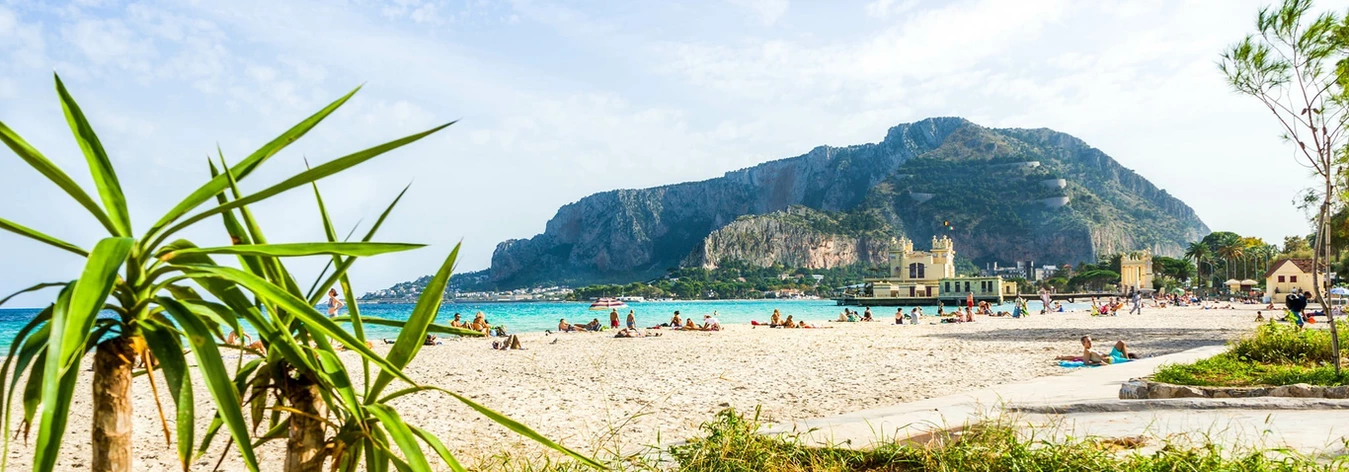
(558, 100)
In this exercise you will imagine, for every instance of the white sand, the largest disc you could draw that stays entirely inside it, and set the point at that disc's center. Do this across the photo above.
(596, 393)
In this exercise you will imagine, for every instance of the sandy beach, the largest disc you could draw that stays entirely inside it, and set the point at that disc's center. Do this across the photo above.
(596, 393)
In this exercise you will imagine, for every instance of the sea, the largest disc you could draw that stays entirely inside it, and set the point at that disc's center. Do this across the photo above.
(524, 317)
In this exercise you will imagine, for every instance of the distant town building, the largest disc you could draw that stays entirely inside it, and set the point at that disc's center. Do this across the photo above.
(932, 274)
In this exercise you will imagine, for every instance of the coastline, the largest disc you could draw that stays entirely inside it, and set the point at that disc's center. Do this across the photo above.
(594, 392)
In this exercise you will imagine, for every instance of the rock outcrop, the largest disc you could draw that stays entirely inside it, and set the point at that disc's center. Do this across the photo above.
(979, 185)
(796, 237)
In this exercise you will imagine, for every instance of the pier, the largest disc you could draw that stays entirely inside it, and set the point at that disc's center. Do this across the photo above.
(959, 299)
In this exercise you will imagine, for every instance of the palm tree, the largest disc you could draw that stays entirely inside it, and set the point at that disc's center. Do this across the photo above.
(1199, 252)
(1230, 248)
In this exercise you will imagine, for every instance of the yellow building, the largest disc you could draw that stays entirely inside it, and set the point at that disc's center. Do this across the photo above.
(1135, 271)
(932, 274)
(1287, 275)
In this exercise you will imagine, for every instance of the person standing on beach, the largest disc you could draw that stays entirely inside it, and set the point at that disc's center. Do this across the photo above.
(632, 319)
(1137, 298)
(333, 303)
(1296, 302)
(613, 318)
(969, 307)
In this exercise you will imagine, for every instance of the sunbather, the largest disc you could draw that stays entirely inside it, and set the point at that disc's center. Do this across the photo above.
(1119, 353)
(511, 342)
(564, 327)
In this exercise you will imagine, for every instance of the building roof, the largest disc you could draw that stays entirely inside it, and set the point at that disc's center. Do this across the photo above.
(1304, 265)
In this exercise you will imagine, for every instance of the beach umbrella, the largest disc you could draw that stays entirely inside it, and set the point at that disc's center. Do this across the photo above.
(1178, 291)
(1341, 291)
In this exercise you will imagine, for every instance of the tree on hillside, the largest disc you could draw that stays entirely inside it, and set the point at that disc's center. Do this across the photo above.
(1294, 65)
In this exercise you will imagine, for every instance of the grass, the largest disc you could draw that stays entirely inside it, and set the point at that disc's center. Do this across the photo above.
(730, 443)
(1276, 354)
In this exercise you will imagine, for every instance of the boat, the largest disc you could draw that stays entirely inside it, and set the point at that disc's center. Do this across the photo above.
(608, 304)
(632, 299)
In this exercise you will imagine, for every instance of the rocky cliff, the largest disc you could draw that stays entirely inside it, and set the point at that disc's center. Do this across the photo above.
(984, 187)
(796, 237)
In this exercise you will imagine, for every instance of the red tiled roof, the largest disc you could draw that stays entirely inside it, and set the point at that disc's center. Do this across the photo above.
(1304, 265)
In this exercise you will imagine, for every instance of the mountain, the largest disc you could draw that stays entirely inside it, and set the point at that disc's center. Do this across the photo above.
(1002, 194)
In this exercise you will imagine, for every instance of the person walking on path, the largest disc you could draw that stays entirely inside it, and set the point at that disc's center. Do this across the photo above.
(613, 318)
(1137, 297)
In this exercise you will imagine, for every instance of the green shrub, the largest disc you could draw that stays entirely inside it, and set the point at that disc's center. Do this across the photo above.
(1276, 354)
(1276, 343)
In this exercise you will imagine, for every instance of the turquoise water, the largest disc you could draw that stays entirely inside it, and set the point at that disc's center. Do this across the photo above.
(537, 316)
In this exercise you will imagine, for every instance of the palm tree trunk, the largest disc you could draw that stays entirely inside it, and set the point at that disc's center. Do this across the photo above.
(304, 444)
(113, 360)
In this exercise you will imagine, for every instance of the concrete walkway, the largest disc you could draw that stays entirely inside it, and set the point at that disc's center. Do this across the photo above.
(863, 428)
(1085, 403)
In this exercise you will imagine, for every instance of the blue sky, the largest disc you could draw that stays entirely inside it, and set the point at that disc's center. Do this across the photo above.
(558, 100)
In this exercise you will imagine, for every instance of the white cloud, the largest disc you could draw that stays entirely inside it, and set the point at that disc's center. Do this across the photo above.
(884, 9)
(767, 12)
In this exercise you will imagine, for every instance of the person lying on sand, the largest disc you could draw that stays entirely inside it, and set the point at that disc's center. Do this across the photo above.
(235, 340)
(564, 327)
(511, 342)
(690, 326)
(634, 333)
(1119, 353)
(593, 325)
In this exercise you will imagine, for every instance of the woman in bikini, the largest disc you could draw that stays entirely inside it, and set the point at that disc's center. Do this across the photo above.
(479, 323)
(333, 303)
(776, 320)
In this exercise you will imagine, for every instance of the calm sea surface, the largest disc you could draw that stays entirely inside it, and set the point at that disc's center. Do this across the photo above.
(538, 316)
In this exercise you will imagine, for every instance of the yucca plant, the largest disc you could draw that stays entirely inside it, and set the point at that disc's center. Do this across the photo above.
(150, 286)
(305, 402)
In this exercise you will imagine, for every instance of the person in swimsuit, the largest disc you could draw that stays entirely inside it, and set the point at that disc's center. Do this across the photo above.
(479, 324)
(1118, 353)
(333, 303)
(563, 326)
(632, 319)
(457, 322)
(675, 322)
(613, 318)
(776, 320)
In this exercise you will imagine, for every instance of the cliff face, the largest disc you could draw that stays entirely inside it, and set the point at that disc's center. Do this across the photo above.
(984, 187)
(796, 237)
